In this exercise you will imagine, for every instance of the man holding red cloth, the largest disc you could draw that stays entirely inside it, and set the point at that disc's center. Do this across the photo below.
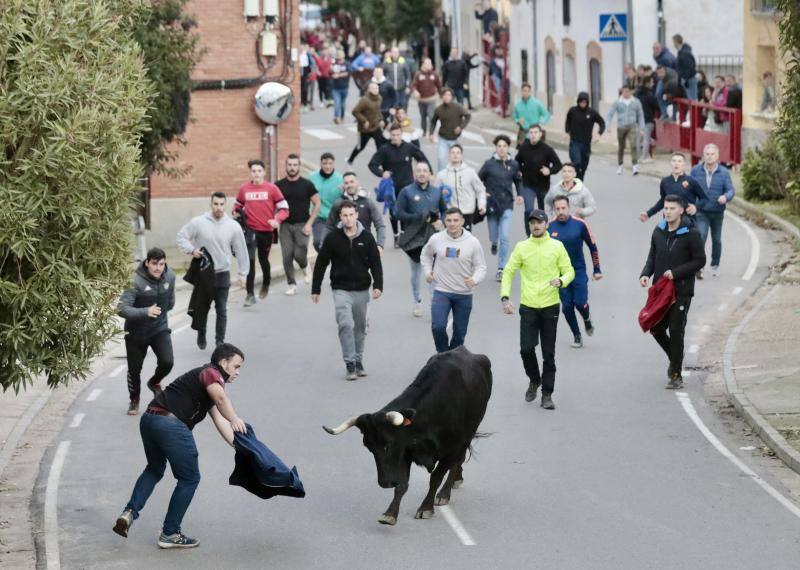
(676, 253)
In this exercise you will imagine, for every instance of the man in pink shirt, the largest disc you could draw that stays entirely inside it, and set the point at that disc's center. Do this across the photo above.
(262, 207)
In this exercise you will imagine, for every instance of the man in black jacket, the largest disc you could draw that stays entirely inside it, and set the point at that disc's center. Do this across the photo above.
(677, 253)
(353, 255)
(580, 127)
(144, 306)
(395, 161)
(537, 161)
(650, 108)
(455, 74)
(687, 70)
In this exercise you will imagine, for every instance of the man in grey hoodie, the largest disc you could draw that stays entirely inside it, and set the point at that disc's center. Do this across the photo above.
(581, 201)
(453, 260)
(468, 192)
(630, 125)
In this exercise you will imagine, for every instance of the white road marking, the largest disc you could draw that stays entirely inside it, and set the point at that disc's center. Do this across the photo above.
(183, 328)
(456, 525)
(352, 128)
(744, 367)
(737, 290)
(688, 407)
(323, 134)
(686, 373)
(94, 394)
(470, 136)
(748, 448)
(694, 348)
(755, 247)
(706, 328)
(76, 421)
(117, 370)
(496, 132)
(472, 163)
(51, 548)
(722, 307)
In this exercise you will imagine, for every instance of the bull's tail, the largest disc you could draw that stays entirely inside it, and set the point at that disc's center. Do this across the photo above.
(478, 435)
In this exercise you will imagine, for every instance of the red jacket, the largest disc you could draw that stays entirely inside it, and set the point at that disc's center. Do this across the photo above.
(323, 65)
(261, 203)
(659, 299)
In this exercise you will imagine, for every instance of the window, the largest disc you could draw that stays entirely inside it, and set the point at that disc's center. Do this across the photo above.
(524, 65)
(550, 73)
(566, 12)
(595, 90)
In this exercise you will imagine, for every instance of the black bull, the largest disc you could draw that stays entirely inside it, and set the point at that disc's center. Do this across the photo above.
(432, 423)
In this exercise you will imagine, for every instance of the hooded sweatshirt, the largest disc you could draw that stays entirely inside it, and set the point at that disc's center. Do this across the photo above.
(531, 158)
(467, 187)
(501, 178)
(369, 214)
(329, 188)
(452, 260)
(578, 196)
(355, 261)
(579, 124)
(368, 113)
(144, 292)
(680, 251)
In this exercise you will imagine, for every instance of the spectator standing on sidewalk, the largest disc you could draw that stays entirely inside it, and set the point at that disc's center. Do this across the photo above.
(369, 213)
(369, 120)
(455, 74)
(537, 161)
(544, 268)
(487, 15)
(581, 201)
(579, 125)
(454, 263)
(650, 108)
(304, 205)
(425, 87)
(715, 180)
(144, 306)
(454, 118)
(668, 88)
(528, 111)
(468, 191)
(264, 209)
(501, 177)
(677, 183)
(219, 235)
(677, 253)
(328, 184)
(355, 266)
(630, 124)
(397, 70)
(166, 431)
(686, 67)
(663, 58)
(340, 85)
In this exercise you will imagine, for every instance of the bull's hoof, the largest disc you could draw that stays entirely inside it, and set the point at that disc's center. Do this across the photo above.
(457, 483)
(388, 519)
(441, 500)
(424, 514)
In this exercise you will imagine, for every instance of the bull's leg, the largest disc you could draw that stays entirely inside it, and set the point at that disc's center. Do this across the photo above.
(425, 510)
(458, 480)
(443, 496)
(390, 516)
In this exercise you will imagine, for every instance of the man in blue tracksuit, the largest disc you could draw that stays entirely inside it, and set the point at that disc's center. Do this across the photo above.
(573, 233)
(715, 180)
(677, 183)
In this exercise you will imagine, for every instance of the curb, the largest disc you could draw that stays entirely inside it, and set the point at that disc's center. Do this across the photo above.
(749, 209)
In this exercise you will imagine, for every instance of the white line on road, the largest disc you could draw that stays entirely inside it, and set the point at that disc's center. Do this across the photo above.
(755, 247)
(183, 328)
(117, 370)
(694, 348)
(94, 394)
(686, 373)
(456, 525)
(496, 132)
(470, 136)
(706, 328)
(472, 163)
(688, 407)
(323, 134)
(76, 421)
(722, 307)
(51, 508)
(737, 290)
(352, 129)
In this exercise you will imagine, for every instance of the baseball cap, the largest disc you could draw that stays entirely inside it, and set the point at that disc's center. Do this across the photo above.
(538, 215)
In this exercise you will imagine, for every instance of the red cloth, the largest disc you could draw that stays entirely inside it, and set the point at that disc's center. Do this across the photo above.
(323, 65)
(659, 299)
(261, 202)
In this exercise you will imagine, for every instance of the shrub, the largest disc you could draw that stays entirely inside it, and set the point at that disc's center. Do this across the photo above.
(765, 172)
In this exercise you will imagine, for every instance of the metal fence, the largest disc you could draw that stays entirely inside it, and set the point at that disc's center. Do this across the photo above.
(713, 65)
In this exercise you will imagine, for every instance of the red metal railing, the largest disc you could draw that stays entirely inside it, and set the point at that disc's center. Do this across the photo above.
(691, 139)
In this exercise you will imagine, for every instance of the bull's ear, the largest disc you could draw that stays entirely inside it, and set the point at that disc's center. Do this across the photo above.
(408, 416)
(362, 421)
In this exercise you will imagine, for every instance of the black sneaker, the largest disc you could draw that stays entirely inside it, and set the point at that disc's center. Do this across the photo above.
(124, 522)
(177, 540)
(578, 342)
(201, 340)
(675, 382)
(133, 407)
(494, 249)
(530, 394)
(589, 327)
(547, 402)
(397, 242)
(351, 371)
(360, 372)
(154, 387)
(263, 292)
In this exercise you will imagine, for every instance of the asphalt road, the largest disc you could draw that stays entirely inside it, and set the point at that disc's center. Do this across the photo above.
(617, 477)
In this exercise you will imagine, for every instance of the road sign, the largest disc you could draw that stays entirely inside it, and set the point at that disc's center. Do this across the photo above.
(613, 27)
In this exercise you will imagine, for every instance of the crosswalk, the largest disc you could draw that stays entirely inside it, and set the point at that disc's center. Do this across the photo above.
(330, 135)
(323, 134)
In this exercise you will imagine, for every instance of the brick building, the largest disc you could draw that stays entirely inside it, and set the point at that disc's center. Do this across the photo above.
(224, 132)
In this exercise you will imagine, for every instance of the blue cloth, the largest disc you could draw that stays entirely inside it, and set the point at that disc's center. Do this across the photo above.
(575, 297)
(579, 153)
(712, 220)
(720, 184)
(441, 305)
(499, 229)
(666, 58)
(262, 472)
(385, 193)
(166, 438)
(573, 234)
(686, 187)
(365, 61)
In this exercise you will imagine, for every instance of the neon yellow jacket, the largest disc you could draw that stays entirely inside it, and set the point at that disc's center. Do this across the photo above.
(539, 260)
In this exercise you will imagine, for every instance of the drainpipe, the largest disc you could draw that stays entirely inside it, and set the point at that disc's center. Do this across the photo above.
(630, 32)
(535, 50)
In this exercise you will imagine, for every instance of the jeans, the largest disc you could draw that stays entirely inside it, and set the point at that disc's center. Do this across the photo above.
(262, 244)
(339, 101)
(629, 134)
(444, 152)
(351, 316)
(425, 110)
(221, 289)
(136, 349)
(537, 325)
(705, 220)
(363, 139)
(579, 153)
(319, 229)
(402, 99)
(662, 105)
(645, 138)
(416, 277)
(575, 297)
(441, 305)
(294, 247)
(166, 438)
(458, 93)
(499, 228)
(690, 85)
(669, 332)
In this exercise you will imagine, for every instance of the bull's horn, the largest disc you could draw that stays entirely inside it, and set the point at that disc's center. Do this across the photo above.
(344, 427)
(395, 418)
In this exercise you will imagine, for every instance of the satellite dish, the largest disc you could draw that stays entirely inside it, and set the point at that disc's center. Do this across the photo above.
(274, 103)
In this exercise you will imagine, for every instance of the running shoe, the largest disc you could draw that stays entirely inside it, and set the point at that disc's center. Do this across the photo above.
(201, 340)
(715, 271)
(587, 323)
(124, 522)
(675, 382)
(351, 371)
(494, 249)
(360, 372)
(498, 276)
(635, 169)
(263, 292)
(620, 170)
(547, 402)
(417, 312)
(291, 290)
(306, 275)
(699, 274)
(578, 342)
(154, 387)
(530, 393)
(177, 540)
(133, 407)
(249, 301)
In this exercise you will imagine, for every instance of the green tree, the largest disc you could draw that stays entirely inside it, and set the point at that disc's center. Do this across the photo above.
(73, 104)
(788, 131)
(388, 20)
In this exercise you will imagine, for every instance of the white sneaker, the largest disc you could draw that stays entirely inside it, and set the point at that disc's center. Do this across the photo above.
(292, 290)
(417, 310)
(306, 276)
(715, 270)
(635, 169)
(620, 169)
(687, 123)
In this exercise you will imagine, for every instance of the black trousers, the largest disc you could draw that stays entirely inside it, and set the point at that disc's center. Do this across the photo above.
(261, 244)
(539, 325)
(363, 139)
(136, 350)
(670, 331)
(468, 218)
(221, 289)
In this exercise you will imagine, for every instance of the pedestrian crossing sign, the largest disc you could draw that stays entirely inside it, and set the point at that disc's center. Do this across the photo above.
(613, 27)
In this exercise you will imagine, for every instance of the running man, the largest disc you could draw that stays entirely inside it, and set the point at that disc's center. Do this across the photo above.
(469, 193)
(537, 162)
(544, 268)
(328, 183)
(573, 232)
(370, 121)
(369, 213)
(677, 183)
(581, 201)
(454, 119)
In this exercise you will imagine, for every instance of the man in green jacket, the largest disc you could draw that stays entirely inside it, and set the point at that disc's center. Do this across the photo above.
(528, 111)
(544, 268)
(328, 184)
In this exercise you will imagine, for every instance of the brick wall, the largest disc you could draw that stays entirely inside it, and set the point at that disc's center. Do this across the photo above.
(224, 132)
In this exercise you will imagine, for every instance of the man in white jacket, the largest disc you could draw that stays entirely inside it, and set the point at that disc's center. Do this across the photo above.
(468, 191)
(454, 262)
(581, 201)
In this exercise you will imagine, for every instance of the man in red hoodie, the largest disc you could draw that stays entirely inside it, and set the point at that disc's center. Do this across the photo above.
(264, 208)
